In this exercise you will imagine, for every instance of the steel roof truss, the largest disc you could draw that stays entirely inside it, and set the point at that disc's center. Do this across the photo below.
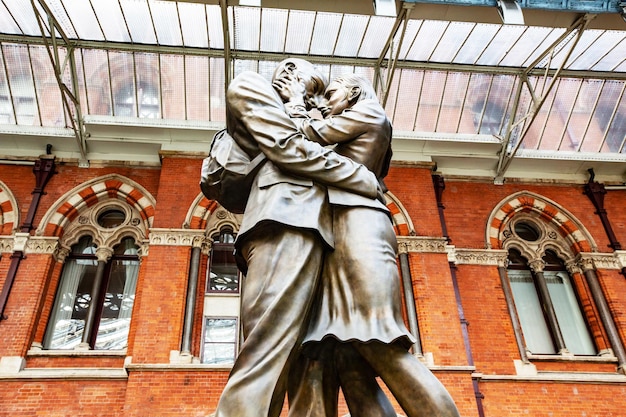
(538, 98)
(70, 99)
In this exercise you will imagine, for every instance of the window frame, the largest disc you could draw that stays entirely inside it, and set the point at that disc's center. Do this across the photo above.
(205, 320)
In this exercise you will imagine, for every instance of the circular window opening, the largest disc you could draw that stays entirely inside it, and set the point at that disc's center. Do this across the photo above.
(527, 231)
(111, 218)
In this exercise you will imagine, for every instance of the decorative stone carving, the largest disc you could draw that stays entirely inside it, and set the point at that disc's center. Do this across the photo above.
(176, 237)
(42, 245)
(599, 261)
(480, 257)
(6, 244)
(421, 244)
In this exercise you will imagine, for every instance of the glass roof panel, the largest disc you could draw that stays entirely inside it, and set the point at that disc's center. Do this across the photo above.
(451, 41)
(541, 45)
(273, 30)
(139, 20)
(376, 34)
(22, 13)
(423, 45)
(247, 24)
(214, 22)
(166, 22)
(111, 20)
(500, 44)
(351, 35)
(299, 32)
(606, 52)
(581, 50)
(83, 19)
(195, 25)
(325, 33)
(454, 93)
(7, 23)
(476, 43)
(526, 46)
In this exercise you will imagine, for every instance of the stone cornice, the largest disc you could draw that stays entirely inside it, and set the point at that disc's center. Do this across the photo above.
(421, 244)
(176, 237)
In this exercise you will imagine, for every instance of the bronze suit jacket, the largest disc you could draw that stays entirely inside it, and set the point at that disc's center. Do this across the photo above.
(289, 188)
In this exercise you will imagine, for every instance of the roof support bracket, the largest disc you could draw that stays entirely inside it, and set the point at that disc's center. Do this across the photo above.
(227, 53)
(379, 82)
(69, 94)
(511, 144)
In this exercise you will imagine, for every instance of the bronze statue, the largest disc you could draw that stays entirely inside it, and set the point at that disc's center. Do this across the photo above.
(286, 229)
(305, 217)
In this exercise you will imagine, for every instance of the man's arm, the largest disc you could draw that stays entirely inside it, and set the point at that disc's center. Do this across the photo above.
(252, 104)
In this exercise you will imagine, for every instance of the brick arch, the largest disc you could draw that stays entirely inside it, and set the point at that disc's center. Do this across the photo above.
(113, 186)
(402, 224)
(550, 212)
(9, 213)
(200, 212)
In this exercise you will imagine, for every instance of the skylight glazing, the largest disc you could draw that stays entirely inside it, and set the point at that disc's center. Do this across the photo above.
(159, 59)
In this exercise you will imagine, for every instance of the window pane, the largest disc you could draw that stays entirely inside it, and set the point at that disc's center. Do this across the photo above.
(220, 337)
(571, 322)
(534, 327)
(119, 299)
(73, 298)
(223, 274)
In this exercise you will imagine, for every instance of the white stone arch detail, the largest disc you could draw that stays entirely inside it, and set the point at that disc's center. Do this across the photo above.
(542, 209)
(94, 192)
(9, 218)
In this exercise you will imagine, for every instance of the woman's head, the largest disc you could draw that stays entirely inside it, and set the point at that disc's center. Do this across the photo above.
(345, 91)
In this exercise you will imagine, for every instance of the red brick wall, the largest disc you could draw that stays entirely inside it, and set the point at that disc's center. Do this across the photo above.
(153, 390)
(53, 398)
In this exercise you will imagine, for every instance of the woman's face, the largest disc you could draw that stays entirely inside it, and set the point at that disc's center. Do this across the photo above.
(336, 99)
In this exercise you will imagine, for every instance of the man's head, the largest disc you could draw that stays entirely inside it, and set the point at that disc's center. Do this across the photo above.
(345, 91)
(311, 78)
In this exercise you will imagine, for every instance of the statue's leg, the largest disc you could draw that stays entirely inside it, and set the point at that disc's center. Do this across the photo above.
(417, 390)
(313, 383)
(363, 395)
(283, 270)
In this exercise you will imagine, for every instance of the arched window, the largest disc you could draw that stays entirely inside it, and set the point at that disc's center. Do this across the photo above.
(545, 296)
(95, 297)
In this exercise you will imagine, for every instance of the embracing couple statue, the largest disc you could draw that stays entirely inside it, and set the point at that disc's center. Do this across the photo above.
(320, 297)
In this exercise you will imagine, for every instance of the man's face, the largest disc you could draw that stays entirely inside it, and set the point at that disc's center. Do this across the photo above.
(300, 76)
(336, 100)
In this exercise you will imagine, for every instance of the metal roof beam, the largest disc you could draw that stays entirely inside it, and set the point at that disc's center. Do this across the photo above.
(526, 121)
(401, 20)
(69, 94)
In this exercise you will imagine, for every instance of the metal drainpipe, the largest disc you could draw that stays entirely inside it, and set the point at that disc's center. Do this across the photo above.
(43, 170)
(439, 185)
(409, 299)
(596, 191)
(190, 305)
